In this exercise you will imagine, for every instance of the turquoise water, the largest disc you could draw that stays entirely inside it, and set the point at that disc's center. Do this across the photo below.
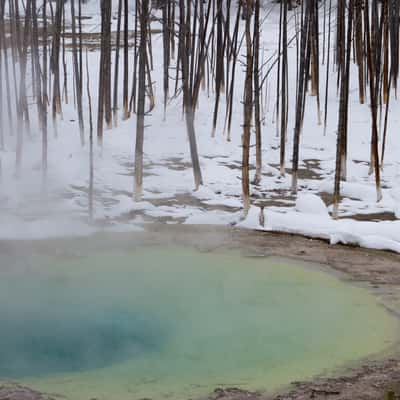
(159, 322)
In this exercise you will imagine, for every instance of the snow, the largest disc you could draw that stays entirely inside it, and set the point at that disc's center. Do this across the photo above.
(374, 235)
(31, 208)
(308, 203)
(211, 218)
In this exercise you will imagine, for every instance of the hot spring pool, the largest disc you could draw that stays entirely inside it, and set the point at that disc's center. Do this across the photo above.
(156, 322)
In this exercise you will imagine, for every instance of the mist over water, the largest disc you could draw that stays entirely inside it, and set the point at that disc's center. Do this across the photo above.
(76, 340)
(158, 321)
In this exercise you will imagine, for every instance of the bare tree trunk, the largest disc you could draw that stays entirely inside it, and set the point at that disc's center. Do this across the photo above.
(104, 100)
(55, 61)
(343, 115)
(132, 103)
(138, 187)
(78, 85)
(44, 92)
(386, 122)
(184, 52)
(359, 43)
(6, 77)
(219, 65)
(374, 133)
(37, 76)
(284, 89)
(328, 68)
(91, 161)
(126, 62)
(65, 82)
(2, 144)
(247, 109)
(116, 64)
(301, 90)
(257, 92)
(166, 55)
(233, 54)
(106, 37)
(80, 45)
(22, 103)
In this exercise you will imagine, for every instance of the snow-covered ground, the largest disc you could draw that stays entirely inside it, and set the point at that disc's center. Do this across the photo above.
(30, 210)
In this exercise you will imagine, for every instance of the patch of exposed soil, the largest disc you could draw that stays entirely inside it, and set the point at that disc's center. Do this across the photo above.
(356, 386)
(18, 392)
(372, 381)
(375, 217)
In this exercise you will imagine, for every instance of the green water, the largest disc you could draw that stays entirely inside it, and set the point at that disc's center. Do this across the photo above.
(160, 322)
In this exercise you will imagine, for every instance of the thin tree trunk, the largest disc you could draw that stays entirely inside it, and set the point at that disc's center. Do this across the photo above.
(343, 115)
(116, 64)
(301, 90)
(284, 89)
(78, 85)
(126, 62)
(247, 109)
(374, 133)
(184, 51)
(257, 92)
(138, 187)
(91, 160)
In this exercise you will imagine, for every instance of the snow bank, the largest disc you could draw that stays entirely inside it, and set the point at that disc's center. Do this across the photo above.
(308, 203)
(383, 235)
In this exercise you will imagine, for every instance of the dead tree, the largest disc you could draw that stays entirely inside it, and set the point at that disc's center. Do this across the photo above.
(341, 149)
(55, 60)
(247, 109)
(301, 88)
(284, 97)
(125, 101)
(143, 18)
(116, 63)
(373, 98)
(91, 158)
(257, 91)
(104, 97)
(166, 52)
(78, 77)
(185, 51)
(2, 44)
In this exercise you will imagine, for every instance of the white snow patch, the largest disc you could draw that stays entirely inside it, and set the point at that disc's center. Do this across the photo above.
(308, 203)
(211, 218)
(374, 235)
